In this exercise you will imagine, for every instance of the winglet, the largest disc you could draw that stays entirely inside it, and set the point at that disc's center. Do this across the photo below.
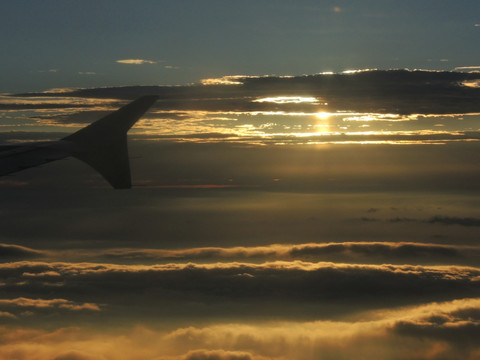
(103, 144)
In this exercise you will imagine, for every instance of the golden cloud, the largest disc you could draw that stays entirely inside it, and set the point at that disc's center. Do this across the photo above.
(136, 61)
(43, 303)
(386, 338)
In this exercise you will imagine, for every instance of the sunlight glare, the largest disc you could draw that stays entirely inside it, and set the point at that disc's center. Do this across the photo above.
(323, 115)
(288, 100)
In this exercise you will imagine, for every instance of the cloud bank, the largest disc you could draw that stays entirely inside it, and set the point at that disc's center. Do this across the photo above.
(441, 330)
(342, 252)
(273, 289)
(379, 91)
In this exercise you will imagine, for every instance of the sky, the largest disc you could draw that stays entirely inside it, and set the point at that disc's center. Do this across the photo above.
(71, 43)
(305, 187)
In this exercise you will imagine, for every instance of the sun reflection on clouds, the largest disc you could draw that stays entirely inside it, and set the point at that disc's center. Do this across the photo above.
(235, 79)
(193, 112)
(289, 100)
(356, 71)
(226, 80)
(472, 83)
(381, 117)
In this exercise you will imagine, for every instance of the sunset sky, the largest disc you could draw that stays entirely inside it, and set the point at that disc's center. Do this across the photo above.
(91, 43)
(305, 188)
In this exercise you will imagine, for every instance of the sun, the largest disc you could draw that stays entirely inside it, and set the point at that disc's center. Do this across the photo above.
(323, 115)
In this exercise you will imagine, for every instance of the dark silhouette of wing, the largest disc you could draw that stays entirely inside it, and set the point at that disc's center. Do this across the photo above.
(102, 145)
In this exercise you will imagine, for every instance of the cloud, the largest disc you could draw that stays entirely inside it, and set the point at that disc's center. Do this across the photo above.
(337, 339)
(217, 355)
(387, 91)
(449, 220)
(290, 288)
(437, 219)
(385, 252)
(136, 61)
(429, 331)
(346, 252)
(17, 252)
(460, 327)
(51, 303)
(467, 68)
(6, 314)
(472, 84)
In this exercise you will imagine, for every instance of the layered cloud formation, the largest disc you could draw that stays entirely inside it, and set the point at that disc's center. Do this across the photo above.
(375, 91)
(161, 288)
(432, 331)
(331, 216)
(346, 252)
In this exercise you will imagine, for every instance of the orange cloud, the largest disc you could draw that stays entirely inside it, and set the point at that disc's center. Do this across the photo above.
(411, 332)
(42, 303)
(6, 314)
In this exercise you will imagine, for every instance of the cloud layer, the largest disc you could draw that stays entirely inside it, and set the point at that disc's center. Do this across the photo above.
(391, 92)
(446, 330)
(273, 289)
(232, 247)
(346, 252)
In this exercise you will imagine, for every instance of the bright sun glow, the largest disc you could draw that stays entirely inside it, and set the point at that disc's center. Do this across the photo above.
(323, 115)
(288, 100)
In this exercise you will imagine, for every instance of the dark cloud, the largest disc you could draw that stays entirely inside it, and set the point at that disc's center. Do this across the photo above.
(53, 210)
(386, 253)
(460, 328)
(298, 289)
(437, 219)
(349, 252)
(84, 117)
(402, 219)
(15, 252)
(41, 106)
(22, 136)
(448, 220)
(392, 91)
(368, 219)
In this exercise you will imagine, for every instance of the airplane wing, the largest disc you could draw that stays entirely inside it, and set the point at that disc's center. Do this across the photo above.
(14, 158)
(102, 145)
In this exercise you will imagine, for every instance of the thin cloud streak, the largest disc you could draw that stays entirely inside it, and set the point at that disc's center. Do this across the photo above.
(136, 61)
(346, 252)
(43, 303)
